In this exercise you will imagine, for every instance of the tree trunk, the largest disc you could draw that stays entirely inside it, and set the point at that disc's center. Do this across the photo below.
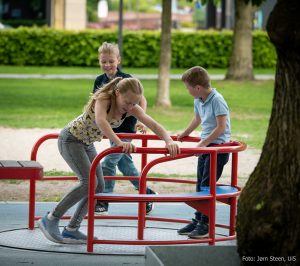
(268, 221)
(211, 18)
(163, 84)
(241, 67)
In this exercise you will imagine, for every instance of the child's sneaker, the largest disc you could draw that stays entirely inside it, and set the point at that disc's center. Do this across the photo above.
(150, 205)
(73, 237)
(50, 228)
(101, 208)
(201, 231)
(188, 228)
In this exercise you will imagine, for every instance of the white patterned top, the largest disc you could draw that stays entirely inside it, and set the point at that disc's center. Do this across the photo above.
(84, 127)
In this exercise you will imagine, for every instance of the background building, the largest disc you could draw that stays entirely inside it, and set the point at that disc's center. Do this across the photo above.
(141, 14)
(59, 14)
(68, 14)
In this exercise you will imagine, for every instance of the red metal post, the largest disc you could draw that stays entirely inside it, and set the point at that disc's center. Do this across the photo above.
(91, 197)
(91, 206)
(144, 155)
(142, 190)
(142, 207)
(32, 184)
(31, 213)
(39, 142)
(213, 178)
(234, 176)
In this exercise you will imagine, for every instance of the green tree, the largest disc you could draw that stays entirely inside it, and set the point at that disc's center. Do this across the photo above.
(268, 209)
(163, 83)
(241, 65)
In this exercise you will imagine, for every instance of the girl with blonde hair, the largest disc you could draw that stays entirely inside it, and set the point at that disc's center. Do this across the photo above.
(109, 61)
(106, 110)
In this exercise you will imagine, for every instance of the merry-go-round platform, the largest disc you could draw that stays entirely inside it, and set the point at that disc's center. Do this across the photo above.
(16, 238)
(125, 236)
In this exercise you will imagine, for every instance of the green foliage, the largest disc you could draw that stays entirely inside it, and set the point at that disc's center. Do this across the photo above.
(14, 23)
(259, 206)
(34, 103)
(206, 48)
(12, 181)
(141, 49)
(49, 47)
(95, 70)
(55, 172)
(92, 14)
(263, 50)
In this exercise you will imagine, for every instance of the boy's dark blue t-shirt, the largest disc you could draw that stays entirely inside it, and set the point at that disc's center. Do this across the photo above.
(128, 125)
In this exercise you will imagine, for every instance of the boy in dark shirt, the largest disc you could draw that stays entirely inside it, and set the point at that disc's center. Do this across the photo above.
(109, 59)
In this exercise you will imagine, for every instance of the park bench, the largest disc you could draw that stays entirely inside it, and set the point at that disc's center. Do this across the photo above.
(23, 170)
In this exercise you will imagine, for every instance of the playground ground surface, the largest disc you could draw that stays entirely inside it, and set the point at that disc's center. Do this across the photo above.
(19, 246)
(16, 144)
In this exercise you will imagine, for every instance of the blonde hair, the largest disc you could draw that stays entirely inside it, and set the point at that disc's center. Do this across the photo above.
(109, 48)
(196, 76)
(108, 92)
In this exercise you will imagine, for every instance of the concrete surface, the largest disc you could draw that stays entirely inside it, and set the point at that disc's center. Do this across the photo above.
(14, 221)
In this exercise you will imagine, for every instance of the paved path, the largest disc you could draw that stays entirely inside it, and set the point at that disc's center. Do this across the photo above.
(88, 76)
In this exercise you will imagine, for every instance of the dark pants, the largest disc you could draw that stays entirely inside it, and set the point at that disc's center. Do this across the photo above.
(203, 175)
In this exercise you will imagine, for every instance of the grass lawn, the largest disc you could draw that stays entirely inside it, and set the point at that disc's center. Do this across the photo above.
(37, 103)
(95, 70)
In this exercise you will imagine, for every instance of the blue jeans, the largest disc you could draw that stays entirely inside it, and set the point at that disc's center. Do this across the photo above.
(79, 157)
(125, 165)
(203, 175)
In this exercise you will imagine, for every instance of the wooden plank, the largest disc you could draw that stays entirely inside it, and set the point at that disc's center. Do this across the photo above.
(10, 163)
(30, 164)
(20, 164)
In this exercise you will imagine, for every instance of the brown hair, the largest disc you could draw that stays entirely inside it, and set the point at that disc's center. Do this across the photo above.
(108, 92)
(196, 76)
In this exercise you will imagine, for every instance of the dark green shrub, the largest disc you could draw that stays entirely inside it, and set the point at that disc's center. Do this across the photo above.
(49, 47)
(264, 55)
(205, 48)
(141, 49)
(15, 23)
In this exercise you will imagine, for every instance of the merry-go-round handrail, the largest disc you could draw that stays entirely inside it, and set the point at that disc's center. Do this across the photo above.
(232, 147)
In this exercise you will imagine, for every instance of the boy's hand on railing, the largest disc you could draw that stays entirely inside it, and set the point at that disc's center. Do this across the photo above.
(180, 136)
(199, 145)
(127, 147)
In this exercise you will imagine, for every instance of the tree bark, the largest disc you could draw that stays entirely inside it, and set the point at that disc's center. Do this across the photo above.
(241, 67)
(268, 220)
(211, 18)
(163, 84)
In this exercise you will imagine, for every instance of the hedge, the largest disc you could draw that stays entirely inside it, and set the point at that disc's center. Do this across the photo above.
(49, 47)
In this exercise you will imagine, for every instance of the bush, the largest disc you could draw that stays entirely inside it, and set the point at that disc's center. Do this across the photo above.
(264, 54)
(210, 49)
(49, 47)
(15, 23)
